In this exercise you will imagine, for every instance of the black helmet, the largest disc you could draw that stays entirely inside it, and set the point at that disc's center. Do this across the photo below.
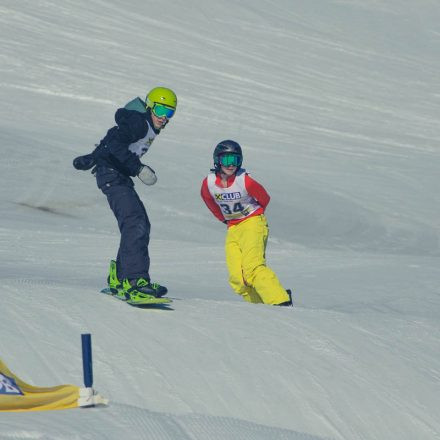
(227, 146)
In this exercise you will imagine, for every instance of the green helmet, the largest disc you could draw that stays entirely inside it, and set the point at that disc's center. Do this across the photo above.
(161, 95)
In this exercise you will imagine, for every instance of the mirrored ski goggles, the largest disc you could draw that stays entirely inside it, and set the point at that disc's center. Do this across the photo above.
(162, 111)
(228, 160)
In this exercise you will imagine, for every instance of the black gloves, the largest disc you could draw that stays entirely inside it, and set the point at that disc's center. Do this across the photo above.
(84, 162)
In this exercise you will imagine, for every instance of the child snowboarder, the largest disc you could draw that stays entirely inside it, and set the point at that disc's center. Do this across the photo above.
(115, 160)
(239, 201)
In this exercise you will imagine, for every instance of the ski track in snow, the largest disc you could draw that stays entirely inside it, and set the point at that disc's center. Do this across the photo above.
(136, 423)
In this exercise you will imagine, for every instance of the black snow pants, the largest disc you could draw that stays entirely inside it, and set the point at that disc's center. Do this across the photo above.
(133, 260)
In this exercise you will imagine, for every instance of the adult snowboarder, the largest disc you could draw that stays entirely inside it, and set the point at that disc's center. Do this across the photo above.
(238, 200)
(115, 160)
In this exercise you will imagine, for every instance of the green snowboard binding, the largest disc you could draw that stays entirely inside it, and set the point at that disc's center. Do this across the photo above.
(138, 292)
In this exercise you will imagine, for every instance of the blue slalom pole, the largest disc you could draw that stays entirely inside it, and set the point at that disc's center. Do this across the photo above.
(86, 342)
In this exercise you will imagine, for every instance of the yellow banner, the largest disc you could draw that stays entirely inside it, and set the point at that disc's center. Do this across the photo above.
(16, 395)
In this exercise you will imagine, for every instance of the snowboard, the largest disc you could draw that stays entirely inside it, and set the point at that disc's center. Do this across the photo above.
(139, 303)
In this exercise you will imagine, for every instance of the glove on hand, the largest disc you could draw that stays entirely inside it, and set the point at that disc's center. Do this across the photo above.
(84, 162)
(147, 175)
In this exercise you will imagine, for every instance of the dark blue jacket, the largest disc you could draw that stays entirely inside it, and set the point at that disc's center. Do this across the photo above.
(131, 126)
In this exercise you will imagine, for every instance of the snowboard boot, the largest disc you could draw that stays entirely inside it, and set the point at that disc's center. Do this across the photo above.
(142, 289)
(112, 280)
(287, 303)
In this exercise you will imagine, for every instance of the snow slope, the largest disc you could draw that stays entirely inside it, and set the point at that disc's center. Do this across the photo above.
(336, 104)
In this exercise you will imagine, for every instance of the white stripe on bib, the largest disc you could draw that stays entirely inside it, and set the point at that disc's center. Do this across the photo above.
(141, 146)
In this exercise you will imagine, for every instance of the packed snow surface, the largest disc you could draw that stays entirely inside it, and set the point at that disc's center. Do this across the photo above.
(336, 105)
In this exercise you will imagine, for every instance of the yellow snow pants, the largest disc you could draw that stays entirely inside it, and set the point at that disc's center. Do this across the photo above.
(245, 257)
